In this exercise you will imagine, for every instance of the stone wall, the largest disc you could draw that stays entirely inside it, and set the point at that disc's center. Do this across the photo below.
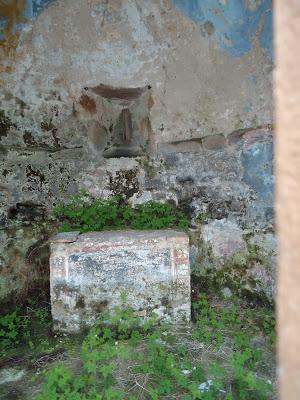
(149, 99)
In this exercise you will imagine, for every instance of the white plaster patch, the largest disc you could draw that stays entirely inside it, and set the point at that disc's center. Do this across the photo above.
(139, 30)
(151, 268)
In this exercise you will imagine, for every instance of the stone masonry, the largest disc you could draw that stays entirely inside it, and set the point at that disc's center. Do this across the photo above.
(93, 272)
(164, 100)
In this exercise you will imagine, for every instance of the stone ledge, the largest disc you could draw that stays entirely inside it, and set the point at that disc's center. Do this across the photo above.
(117, 235)
(89, 273)
(65, 237)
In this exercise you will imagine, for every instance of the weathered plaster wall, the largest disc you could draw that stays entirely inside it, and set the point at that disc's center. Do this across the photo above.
(200, 104)
(133, 44)
(235, 23)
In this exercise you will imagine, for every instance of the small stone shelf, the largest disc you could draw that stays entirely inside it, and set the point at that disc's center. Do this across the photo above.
(90, 272)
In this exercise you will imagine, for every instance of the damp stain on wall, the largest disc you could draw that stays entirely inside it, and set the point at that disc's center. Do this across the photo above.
(13, 14)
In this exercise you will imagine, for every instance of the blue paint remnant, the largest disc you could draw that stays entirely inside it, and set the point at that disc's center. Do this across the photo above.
(32, 9)
(257, 162)
(266, 36)
(235, 24)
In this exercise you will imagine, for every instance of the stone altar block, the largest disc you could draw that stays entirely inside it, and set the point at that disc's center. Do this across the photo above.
(90, 272)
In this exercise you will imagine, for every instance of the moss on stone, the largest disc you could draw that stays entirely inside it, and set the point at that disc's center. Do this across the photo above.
(233, 273)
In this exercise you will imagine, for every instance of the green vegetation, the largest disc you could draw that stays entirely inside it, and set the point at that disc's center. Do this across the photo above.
(126, 357)
(226, 353)
(24, 326)
(83, 213)
(239, 321)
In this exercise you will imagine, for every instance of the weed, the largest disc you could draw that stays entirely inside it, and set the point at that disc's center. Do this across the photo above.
(85, 214)
(23, 326)
(125, 357)
(10, 325)
(154, 215)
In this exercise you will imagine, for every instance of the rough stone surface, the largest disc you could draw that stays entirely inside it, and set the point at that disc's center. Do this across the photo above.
(264, 278)
(152, 100)
(224, 238)
(91, 275)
